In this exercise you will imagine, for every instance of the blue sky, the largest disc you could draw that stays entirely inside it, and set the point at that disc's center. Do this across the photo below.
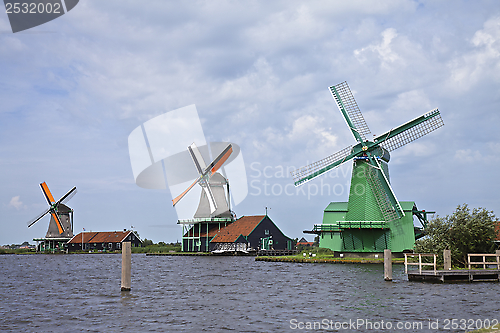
(72, 90)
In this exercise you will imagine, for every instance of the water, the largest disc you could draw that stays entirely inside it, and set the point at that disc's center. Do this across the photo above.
(62, 293)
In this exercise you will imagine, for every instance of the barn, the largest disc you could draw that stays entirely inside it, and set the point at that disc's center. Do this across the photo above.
(251, 233)
(102, 241)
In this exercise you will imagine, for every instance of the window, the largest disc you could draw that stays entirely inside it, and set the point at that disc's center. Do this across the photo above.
(110, 245)
(118, 245)
(266, 232)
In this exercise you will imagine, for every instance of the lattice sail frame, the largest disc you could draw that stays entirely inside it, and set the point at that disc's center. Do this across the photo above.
(433, 122)
(348, 102)
(340, 156)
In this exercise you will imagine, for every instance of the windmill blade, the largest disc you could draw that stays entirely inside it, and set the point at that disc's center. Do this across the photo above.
(180, 196)
(382, 190)
(38, 217)
(311, 171)
(410, 131)
(65, 198)
(210, 196)
(350, 110)
(47, 194)
(219, 160)
(198, 160)
(57, 220)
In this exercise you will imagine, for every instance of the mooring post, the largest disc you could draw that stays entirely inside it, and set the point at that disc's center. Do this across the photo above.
(387, 265)
(497, 252)
(126, 265)
(447, 259)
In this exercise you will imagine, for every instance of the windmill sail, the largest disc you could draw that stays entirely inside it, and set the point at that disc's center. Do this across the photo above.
(350, 110)
(382, 190)
(38, 217)
(46, 193)
(65, 198)
(198, 160)
(410, 131)
(316, 169)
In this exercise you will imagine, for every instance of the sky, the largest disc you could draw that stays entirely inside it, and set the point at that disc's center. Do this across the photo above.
(72, 90)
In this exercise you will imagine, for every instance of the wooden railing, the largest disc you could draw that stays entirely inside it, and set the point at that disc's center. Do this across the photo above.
(484, 262)
(419, 263)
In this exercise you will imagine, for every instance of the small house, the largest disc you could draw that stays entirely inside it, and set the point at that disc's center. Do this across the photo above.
(251, 233)
(302, 243)
(102, 241)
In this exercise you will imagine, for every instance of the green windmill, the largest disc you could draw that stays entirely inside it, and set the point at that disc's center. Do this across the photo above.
(373, 219)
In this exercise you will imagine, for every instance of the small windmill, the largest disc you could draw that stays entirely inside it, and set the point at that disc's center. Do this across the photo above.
(61, 224)
(212, 201)
(372, 203)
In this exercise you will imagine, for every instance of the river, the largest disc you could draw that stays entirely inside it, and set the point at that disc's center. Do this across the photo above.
(81, 293)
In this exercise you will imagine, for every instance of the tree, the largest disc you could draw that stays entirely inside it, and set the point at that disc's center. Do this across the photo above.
(147, 242)
(462, 232)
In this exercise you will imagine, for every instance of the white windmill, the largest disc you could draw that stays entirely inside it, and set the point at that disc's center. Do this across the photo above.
(213, 201)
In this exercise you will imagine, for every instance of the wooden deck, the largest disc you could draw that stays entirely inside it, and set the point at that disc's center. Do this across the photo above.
(461, 275)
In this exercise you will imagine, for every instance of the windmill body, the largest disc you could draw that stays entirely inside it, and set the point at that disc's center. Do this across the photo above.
(60, 228)
(218, 185)
(373, 219)
(214, 209)
(65, 215)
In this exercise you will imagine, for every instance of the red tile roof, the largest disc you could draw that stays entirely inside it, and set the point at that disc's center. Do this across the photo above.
(100, 237)
(243, 226)
(305, 243)
(497, 228)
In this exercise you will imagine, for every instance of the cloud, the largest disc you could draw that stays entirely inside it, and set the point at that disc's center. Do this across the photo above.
(383, 50)
(482, 62)
(259, 74)
(17, 203)
(477, 156)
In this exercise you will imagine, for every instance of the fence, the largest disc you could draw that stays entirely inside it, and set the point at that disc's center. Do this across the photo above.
(484, 262)
(419, 263)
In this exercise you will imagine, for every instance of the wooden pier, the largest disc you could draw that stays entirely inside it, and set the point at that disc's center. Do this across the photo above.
(489, 273)
(458, 275)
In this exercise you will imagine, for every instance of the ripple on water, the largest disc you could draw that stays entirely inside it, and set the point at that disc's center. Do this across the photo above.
(58, 293)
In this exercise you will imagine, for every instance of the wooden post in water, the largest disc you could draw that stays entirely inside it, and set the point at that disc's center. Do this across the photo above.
(447, 259)
(387, 265)
(126, 265)
(497, 252)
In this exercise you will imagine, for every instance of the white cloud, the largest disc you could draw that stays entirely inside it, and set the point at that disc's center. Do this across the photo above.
(477, 156)
(384, 50)
(17, 203)
(482, 62)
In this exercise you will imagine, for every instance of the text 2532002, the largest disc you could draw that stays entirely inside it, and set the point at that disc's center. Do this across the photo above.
(33, 8)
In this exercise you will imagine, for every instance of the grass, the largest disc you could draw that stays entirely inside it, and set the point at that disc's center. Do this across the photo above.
(325, 256)
(155, 248)
(17, 251)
